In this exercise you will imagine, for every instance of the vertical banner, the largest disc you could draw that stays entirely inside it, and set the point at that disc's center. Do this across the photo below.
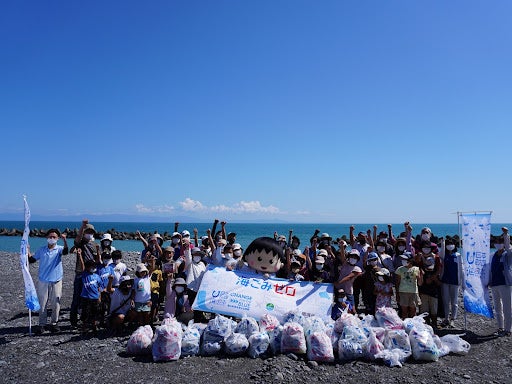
(31, 300)
(476, 258)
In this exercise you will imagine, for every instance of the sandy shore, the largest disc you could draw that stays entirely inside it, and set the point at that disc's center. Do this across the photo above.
(67, 357)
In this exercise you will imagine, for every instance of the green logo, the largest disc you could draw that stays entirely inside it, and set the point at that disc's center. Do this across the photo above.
(270, 307)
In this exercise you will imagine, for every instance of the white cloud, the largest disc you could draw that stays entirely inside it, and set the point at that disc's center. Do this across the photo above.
(241, 207)
(192, 205)
(141, 208)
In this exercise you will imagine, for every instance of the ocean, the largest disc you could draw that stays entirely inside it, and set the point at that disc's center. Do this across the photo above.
(245, 232)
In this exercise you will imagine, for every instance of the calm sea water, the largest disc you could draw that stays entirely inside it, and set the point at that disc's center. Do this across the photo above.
(245, 232)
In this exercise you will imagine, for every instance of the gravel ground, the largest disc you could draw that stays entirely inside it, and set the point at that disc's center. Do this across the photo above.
(67, 357)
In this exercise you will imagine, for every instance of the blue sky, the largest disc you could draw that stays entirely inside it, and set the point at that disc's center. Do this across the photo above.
(303, 111)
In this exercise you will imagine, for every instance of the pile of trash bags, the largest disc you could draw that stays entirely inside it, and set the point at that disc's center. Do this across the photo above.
(382, 337)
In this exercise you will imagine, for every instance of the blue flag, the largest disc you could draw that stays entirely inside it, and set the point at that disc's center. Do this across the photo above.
(31, 300)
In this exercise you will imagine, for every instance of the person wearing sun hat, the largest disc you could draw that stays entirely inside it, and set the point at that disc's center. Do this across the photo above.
(177, 303)
(407, 279)
(141, 294)
(106, 244)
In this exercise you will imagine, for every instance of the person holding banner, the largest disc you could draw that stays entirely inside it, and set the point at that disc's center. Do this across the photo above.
(501, 283)
(49, 286)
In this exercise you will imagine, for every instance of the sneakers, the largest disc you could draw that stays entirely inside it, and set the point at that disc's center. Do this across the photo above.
(445, 323)
(499, 332)
(452, 324)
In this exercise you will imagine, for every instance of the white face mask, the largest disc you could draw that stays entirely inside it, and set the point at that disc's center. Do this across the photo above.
(237, 253)
(425, 236)
(401, 248)
(498, 246)
(319, 267)
(107, 261)
(89, 236)
(405, 263)
(450, 247)
(197, 259)
(92, 270)
(175, 240)
(295, 270)
(373, 263)
(106, 243)
(381, 278)
(51, 241)
(341, 299)
(228, 255)
(425, 251)
(179, 289)
(380, 248)
(352, 261)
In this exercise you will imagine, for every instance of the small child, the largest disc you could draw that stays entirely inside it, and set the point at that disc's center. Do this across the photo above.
(341, 303)
(177, 303)
(383, 288)
(120, 311)
(90, 296)
(141, 294)
(408, 278)
(429, 291)
(105, 270)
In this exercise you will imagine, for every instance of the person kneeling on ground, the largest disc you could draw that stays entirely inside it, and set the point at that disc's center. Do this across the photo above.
(121, 311)
(177, 303)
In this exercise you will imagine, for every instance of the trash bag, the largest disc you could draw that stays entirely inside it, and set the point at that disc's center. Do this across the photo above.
(236, 344)
(275, 339)
(354, 332)
(268, 323)
(388, 318)
(293, 339)
(393, 357)
(258, 344)
(190, 341)
(247, 326)
(214, 334)
(397, 339)
(294, 316)
(167, 341)
(333, 335)
(313, 324)
(423, 346)
(346, 319)
(349, 349)
(319, 347)
(456, 344)
(140, 341)
(373, 346)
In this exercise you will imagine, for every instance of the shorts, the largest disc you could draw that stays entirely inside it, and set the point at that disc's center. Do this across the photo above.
(409, 299)
(428, 304)
(155, 298)
(142, 307)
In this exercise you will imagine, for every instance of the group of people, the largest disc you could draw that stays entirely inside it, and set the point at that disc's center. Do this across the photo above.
(422, 272)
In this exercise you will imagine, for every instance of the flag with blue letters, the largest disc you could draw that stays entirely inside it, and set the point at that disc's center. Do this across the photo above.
(31, 300)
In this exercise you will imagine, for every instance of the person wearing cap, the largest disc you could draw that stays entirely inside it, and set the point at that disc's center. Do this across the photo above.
(231, 238)
(152, 247)
(371, 266)
(105, 271)
(120, 311)
(194, 271)
(317, 272)
(341, 304)
(281, 239)
(451, 279)
(501, 283)
(89, 251)
(177, 302)
(382, 238)
(236, 262)
(297, 265)
(425, 236)
(348, 272)
(106, 244)
(141, 294)
(429, 291)
(383, 288)
(407, 279)
(50, 274)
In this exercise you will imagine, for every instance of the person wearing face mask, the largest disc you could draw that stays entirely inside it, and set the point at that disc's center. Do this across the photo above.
(371, 266)
(236, 262)
(383, 288)
(424, 237)
(407, 279)
(501, 283)
(281, 239)
(382, 237)
(194, 271)
(177, 303)
(363, 242)
(49, 286)
(317, 273)
(92, 286)
(106, 244)
(89, 251)
(348, 272)
(297, 265)
(429, 291)
(451, 279)
(120, 311)
(105, 270)
(341, 304)
(119, 267)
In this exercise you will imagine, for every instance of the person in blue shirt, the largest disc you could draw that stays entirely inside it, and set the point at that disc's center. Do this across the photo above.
(92, 286)
(49, 286)
(105, 270)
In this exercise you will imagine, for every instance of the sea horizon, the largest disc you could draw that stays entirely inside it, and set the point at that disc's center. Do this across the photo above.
(246, 232)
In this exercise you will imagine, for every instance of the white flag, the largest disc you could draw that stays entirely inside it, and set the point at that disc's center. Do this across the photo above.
(31, 300)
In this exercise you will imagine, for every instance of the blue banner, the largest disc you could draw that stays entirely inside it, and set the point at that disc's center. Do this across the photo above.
(31, 300)
(476, 258)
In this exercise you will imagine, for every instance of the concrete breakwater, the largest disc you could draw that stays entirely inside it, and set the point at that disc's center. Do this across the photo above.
(72, 233)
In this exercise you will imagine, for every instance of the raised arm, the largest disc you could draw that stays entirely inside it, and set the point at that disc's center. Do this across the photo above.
(141, 238)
